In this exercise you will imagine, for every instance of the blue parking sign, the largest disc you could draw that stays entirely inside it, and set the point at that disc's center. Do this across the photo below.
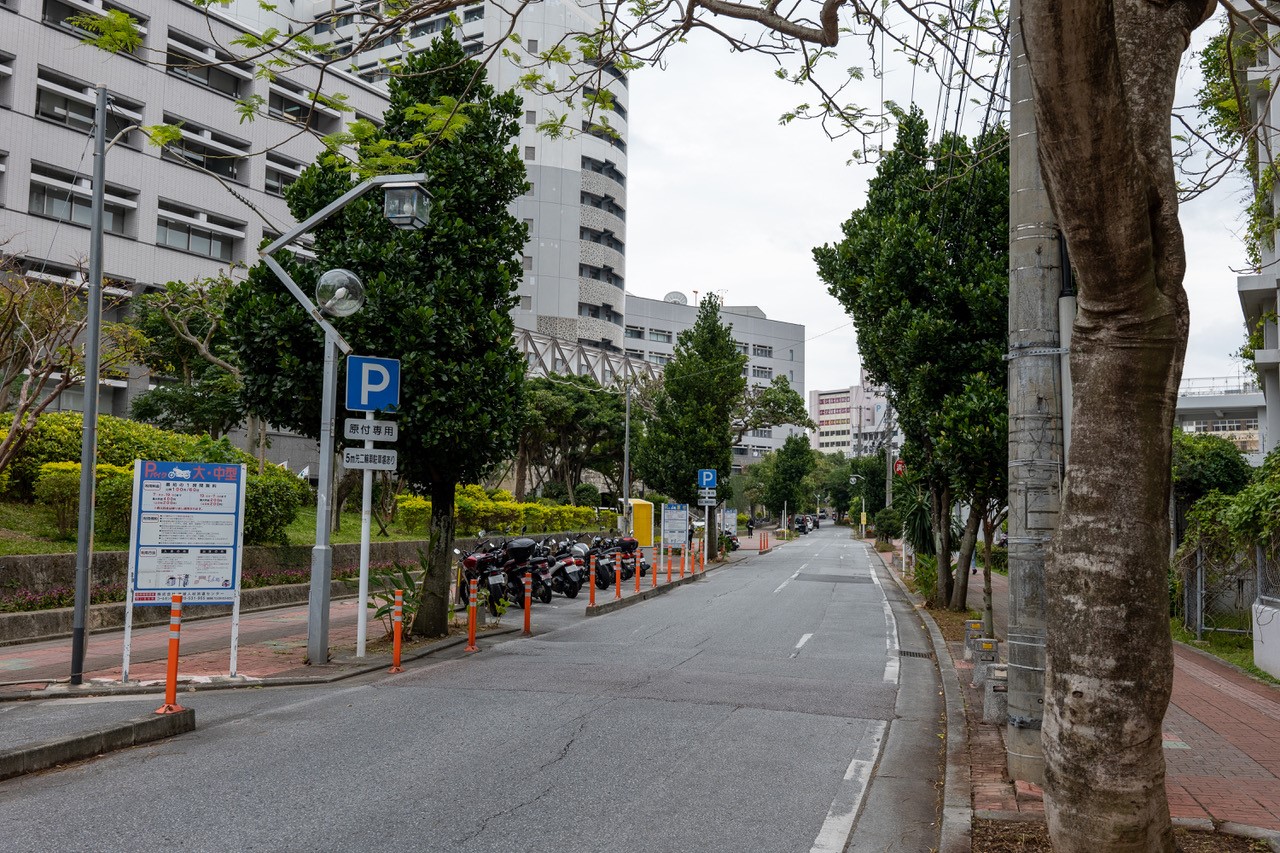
(706, 478)
(373, 384)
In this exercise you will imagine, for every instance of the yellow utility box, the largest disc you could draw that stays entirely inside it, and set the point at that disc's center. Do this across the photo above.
(642, 522)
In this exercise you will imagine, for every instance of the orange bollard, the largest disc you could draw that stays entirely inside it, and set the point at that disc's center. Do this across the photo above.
(397, 623)
(683, 552)
(617, 578)
(635, 564)
(171, 705)
(591, 581)
(668, 547)
(528, 603)
(471, 618)
(653, 569)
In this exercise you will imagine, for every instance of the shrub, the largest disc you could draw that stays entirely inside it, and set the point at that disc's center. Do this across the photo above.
(414, 512)
(586, 495)
(925, 575)
(556, 491)
(272, 500)
(999, 559)
(58, 486)
(888, 524)
(113, 505)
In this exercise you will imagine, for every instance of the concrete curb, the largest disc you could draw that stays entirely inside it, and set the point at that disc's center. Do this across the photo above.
(1199, 824)
(957, 805)
(35, 757)
(646, 593)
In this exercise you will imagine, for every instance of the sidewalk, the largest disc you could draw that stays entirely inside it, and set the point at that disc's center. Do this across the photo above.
(1221, 739)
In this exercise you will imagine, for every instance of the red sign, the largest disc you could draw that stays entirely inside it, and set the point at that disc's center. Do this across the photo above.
(899, 467)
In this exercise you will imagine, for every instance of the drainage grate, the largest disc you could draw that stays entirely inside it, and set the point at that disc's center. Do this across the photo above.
(907, 653)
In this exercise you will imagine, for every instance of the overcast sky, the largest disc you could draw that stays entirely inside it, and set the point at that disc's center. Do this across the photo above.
(721, 197)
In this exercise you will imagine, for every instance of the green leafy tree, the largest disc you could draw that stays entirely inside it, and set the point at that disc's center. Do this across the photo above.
(439, 299)
(765, 406)
(786, 486)
(1203, 463)
(923, 270)
(691, 425)
(572, 424)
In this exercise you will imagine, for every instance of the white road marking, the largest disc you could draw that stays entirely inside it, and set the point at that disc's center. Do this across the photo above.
(836, 829)
(800, 645)
(891, 634)
(794, 575)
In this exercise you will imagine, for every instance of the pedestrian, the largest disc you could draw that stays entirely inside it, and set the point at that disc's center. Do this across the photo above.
(751, 526)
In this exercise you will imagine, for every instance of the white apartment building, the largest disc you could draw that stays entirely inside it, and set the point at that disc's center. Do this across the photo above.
(574, 283)
(773, 348)
(1231, 407)
(167, 218)
(853, 421)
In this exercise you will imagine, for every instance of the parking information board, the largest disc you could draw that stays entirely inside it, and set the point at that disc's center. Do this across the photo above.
(675, 524)
(729, 520)
(186, 535)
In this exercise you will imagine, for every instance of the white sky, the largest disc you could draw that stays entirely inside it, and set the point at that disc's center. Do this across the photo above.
(721, 197)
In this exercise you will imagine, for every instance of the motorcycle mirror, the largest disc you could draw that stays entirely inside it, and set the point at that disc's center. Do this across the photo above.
(481, 533)
(456, 551)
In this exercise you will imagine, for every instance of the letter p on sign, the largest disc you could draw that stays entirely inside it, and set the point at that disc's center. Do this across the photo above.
(373, 384)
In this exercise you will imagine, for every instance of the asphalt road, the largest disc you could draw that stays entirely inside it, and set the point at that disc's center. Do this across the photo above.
(768, 708)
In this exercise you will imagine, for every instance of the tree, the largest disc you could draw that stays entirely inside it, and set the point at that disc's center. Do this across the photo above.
(691, 424)
(764, 406)
(42, 324)
(923, 271)
(1202, 463)
(439, 298)
(572, 424)
(785, 488)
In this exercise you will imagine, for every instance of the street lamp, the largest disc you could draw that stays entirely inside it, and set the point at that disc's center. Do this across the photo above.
(862, 508)
(339, 293)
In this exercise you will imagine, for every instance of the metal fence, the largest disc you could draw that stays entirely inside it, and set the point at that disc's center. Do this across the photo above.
(1218, 591)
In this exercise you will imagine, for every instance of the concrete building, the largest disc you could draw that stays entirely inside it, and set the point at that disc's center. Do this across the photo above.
(853, 421)
(575, 262)
(1232, 407)
(773, 348)
(172, 215)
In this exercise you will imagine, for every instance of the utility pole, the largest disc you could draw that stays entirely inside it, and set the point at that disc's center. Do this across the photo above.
(888, 455)
(89, 435)
(1035, 414)
(626, 464)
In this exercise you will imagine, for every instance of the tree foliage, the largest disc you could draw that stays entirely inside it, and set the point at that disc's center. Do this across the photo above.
(923, 270)
(765, 406)
(572, 424)
(439, 299)
(786, 487)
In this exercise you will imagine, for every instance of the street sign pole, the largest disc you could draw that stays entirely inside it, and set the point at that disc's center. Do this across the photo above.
(322, 554)
(366, 510)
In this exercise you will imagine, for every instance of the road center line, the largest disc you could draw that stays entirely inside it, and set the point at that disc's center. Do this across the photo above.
(836, 829)
(803, 640)
(794, 575)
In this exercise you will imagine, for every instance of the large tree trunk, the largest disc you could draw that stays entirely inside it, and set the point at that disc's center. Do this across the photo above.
(522, 471)
(432, 618)
(1103, 78)
(988, 611)
(940, 510)
(968, 543)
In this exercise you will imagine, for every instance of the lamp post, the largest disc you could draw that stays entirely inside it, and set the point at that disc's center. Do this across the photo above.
(406, 204)
(862, 525)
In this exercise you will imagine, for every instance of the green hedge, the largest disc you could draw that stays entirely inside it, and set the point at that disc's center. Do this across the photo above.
(56, 438)
(476, 510)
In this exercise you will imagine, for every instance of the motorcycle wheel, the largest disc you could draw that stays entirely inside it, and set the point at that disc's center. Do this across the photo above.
(544, 594)
(494, 605)
(463, 590)
(570, 589)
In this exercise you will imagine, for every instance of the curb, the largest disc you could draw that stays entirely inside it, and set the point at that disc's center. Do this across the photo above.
(1199, 824)
(35, 757)
(957, 807)
(646, 594)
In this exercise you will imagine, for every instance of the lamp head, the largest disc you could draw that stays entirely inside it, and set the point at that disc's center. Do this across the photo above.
(406, 205)
(339, 293)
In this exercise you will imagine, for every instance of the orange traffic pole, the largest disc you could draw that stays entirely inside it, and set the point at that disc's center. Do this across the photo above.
(397, 623)
(171, 705)
(471, 618)
(528, 603)
(617, 578)
(635, 564)
(591, 581)
(683, 551)
(653, 569)
(669, 555)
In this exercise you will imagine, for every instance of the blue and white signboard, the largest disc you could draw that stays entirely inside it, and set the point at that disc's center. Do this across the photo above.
(186, 536)
(706, 478)
(373, 384)
(729, 520)
(675, 524)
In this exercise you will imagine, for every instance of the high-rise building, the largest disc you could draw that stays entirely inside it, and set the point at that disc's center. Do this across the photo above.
(574, 283)
(853, 421)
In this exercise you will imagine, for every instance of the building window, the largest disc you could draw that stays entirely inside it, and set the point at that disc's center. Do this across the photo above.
(605, 203)
(6, 80)
(70, 102)
(56, 14)
(206, 149)
(601, 274)
(791, 375)
(530, 116)
(659, 358)
(281, 171)
(189, 230)
(533, 45)
(529, 152)
(528, 263)
(605, 133)
(526, 303)
(4, 162)
(590, 92)
(604, 238)
(635, 353)
(761, 351)
(636, 332)
(473, 14)
(758, 372)
(531, 188)
(741, 348)
(291, 103)
(762, 433)
(791, 355)
(529, 224)
(662, 336)
(604, 167)
(67, 197)
(205, 65)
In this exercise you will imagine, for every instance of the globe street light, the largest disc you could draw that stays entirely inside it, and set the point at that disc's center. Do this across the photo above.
(339, 293)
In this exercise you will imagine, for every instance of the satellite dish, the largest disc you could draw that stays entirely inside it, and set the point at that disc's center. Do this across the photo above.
(676, 297)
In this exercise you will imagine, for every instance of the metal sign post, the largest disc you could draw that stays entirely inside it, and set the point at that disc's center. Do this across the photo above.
(373, 384)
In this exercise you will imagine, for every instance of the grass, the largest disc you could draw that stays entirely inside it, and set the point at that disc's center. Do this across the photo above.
(1235, 649)
(31, 529)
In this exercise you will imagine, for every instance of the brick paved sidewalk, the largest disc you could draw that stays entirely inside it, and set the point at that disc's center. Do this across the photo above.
(1221, 738)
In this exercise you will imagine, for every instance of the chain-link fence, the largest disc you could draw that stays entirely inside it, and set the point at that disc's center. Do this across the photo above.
(1218, 591)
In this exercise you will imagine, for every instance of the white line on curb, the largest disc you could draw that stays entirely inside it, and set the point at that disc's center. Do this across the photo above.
(836, 829)
(891, 633)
